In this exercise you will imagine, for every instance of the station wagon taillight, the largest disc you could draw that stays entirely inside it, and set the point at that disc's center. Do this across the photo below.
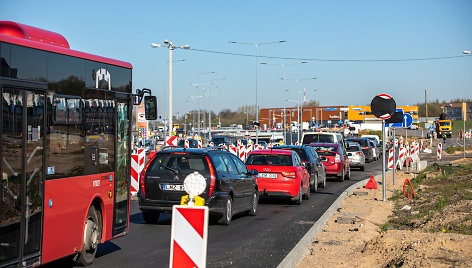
(212, 177)
(359, 153)
(291, 175)
(141, 176)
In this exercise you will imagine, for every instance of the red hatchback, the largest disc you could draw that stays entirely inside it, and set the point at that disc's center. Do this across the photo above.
(281, 173)
(335, 159)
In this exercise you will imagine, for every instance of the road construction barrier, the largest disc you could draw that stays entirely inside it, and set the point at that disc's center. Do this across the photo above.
(435, 135)
(248, 148)
(401, 157)
(233, 149)
(137, 164)
(396, 143)
(200, 144)
(186, 144)
(257, 147)
(390, 159)
(242, 152)
(401, 141)
(439, 153)
(171, 140)
(211, 144)
(189, 236)
(269, 146)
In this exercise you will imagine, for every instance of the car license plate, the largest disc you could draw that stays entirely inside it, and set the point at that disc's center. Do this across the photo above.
(267, 175)
(173, 187)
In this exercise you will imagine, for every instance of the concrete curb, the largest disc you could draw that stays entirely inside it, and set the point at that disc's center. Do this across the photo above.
(301, 249)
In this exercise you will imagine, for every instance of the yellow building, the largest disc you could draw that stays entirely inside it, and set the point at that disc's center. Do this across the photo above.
(363, 113)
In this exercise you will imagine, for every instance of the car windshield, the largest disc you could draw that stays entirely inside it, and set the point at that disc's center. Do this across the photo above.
(300, 152)
(318, 138)
(362, 142)
(270, 159)
(444, 124)
(184, 163)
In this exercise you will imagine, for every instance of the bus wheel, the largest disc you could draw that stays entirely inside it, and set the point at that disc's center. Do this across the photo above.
(92, 235)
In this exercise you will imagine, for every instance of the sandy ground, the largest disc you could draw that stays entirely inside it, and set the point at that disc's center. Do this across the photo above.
(360, 244)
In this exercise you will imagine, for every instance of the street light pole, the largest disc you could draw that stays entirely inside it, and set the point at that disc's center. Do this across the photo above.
(171, 47)
(257, 62)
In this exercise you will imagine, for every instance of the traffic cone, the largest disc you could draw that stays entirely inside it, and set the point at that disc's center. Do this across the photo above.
(371, 184)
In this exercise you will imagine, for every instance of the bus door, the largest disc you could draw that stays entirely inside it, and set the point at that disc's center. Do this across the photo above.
(22, 176)
(122, 172)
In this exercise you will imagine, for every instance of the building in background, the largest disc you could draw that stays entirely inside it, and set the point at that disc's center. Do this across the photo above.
(456, 110)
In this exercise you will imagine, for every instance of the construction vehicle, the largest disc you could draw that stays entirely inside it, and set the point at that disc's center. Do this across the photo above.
(444, 126)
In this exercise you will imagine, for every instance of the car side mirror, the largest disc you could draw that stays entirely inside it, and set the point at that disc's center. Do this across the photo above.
(324, 159)
(306, 164)
(254, 172)
(150, 107)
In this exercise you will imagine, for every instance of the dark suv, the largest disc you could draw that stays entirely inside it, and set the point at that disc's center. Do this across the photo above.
(315, 167)
(366, 147)
(231, 187)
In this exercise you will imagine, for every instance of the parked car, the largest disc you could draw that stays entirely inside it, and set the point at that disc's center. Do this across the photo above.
(231, 187)
(335, 159)
(192, 143)
(355, 155)
(366, 148)
(315, 168)
(221, 140)
(280, 173)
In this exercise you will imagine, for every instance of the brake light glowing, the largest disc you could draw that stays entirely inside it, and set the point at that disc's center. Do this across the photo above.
(292, 174)
(359, 153)
(212, 177)
(337, 159)
(141, 176)
(365, 148)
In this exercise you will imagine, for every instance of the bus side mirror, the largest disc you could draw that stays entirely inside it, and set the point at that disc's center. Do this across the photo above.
(150, 106)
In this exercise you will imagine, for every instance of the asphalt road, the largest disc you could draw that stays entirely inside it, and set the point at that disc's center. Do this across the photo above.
(259, 241)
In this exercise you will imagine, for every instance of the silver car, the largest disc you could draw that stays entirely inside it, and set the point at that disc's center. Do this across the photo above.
(355, 155)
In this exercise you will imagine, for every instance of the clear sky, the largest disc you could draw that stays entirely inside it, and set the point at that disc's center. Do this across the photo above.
(327, 30)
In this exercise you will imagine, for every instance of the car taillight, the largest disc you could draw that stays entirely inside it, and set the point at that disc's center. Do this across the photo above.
(141, 176)
(292, 174)
(365, 148)
(212, 177)
(359, 153)
(337, 159)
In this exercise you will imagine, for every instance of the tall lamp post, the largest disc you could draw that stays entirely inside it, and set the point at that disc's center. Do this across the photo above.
(298, 94)
(465, 111)
(283, 67)
(171, 47)
(257, 63)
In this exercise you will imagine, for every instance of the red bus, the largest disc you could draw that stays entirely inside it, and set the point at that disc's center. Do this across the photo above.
(64, 147)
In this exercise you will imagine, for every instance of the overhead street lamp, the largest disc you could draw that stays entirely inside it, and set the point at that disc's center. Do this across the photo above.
(207, 92)
(283, 65)
(171, 47)
(298, 97)
(257, 63)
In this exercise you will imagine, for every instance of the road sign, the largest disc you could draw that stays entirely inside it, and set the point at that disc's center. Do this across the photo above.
(407, 120)
(431, 129)
(383, 106)
(331, 109)
(340, 121)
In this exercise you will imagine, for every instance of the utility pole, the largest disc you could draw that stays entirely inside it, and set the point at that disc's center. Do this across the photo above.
(426, 104)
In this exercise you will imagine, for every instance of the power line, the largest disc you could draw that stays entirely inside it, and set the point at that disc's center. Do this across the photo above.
(328, 60)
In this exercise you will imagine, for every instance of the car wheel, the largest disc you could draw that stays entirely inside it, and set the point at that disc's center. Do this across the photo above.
(323, 183)
(341, 178)
(150, 216)
(92, 236)
(314, 187)
(254, 203)
(297, 200)
(307, 195)
(348, 176)
(228, 215)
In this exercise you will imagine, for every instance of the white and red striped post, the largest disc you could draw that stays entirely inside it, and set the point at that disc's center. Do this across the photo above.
(242, 152)
(137, 166)
(171, 140)
(189, 237)
(439, 153)
(200, 144)
(186, 144)
(233, 149)
(390, 159)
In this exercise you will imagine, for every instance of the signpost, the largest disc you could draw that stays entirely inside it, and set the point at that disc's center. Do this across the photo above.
(383, 106)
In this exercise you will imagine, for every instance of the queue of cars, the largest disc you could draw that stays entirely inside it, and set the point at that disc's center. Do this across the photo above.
(234, 186)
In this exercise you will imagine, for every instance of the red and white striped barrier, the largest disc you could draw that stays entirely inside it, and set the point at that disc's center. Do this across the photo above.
(137, 165)
(189, 236)
(233, 149)
(248, 148)
(186, 144)
(171, 140)
(200, 144)
(257, 147)
(224, 146)
(211, 144)
(396, 143)
(401, 157)
(269, 146)
(435, 135)
(242, 152)
(401, 141)
(390, 159)
(438, 156)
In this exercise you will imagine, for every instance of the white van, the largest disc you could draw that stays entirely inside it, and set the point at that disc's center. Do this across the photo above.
(322, 137)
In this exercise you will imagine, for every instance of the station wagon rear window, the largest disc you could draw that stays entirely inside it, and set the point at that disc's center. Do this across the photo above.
(185, 163)
(270, 159)
(318, 138)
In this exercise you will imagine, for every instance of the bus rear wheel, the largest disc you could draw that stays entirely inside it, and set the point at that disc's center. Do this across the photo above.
(92, 236)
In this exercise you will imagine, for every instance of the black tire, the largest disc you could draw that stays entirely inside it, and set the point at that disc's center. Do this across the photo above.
(228, 215)
(307, 195)
(348, 176)
(323, 183)
(92, 236)
(297, 200)
(254, 204)
(314, 187)
(362, 168)
(150, 216)
(341, 178)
